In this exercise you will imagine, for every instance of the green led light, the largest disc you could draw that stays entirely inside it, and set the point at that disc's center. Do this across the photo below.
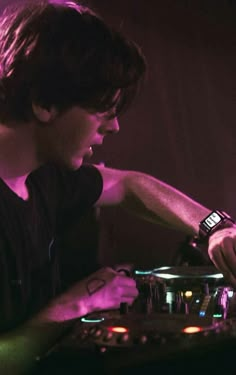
(86, 320)
(230, 293)
(161, 269)
(137, 272)
(217, 315)
(167, 276)
(215, 276)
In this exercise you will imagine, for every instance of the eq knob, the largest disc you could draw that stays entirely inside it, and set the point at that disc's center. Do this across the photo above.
(123, 338)
(221, 302)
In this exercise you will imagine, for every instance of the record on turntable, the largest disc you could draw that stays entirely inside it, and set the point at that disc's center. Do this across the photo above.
(193, 272)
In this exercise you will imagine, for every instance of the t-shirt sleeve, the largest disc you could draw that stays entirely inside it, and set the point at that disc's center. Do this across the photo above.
(79, 191)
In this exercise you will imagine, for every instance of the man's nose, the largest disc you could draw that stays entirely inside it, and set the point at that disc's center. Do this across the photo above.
(111, 126)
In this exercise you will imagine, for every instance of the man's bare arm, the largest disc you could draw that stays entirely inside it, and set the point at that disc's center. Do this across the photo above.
(158, 202)
(102, 290)
(151, 199)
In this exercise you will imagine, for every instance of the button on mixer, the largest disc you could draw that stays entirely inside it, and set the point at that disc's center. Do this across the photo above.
(143, 339)
(98, 333)
(124, 338)
(108, 336)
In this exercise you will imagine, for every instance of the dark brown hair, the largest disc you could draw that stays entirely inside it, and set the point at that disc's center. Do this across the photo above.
(63, 54)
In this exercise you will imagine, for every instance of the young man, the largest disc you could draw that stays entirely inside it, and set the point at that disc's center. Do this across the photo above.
(64, 79)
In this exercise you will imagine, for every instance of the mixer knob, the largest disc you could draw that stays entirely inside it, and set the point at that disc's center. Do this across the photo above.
(165, 308)
(206, 289)
(124, 338)
(222, 302)
(142, 339)
(102, 349)
(95, 331)
(176, 302)
(92, 330)
(108, 336)
(148, 306)
(161, 292)
(98, 332)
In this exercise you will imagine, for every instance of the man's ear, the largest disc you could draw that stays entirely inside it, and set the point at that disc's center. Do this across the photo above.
(42, 114)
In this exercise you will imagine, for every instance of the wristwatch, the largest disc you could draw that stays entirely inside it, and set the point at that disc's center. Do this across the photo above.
(215, 221)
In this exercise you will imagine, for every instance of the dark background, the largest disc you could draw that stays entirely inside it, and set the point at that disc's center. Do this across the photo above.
(181, 128)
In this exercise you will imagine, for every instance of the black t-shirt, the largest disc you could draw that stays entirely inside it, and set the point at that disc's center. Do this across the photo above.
(29, 274)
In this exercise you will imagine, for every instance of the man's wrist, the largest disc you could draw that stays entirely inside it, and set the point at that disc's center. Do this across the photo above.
(213, 222)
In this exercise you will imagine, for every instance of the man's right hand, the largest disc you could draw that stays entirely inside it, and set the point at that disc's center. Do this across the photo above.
(107, 288)
(103, 290)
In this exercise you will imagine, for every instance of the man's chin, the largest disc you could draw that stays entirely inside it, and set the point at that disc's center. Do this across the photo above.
(76, 164)
(72, 165)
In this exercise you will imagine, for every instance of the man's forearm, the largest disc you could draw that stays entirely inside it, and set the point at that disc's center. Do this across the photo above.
(102, 290)
(21, 348)
(158, 202)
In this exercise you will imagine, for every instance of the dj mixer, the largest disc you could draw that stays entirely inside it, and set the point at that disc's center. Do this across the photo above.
(183, 321)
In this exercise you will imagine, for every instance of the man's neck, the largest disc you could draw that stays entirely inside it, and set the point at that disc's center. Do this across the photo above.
(18, 186)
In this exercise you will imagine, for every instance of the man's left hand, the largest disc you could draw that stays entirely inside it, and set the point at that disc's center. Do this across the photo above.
(222, 252)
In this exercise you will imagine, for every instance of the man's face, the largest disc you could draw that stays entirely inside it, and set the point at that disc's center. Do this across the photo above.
(70, 136)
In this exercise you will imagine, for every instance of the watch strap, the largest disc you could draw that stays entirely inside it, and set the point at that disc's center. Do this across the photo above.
(213, 222)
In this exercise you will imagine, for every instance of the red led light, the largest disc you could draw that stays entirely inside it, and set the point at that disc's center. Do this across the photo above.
(118, 329)
(192, 329)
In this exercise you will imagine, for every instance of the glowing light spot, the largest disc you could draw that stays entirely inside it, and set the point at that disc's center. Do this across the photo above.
(167, 276)
(217, 315)
(230, 293)
(188, 293)
(138, 272)
(87, 320)
(161, 269)
(192, 329)
(118, 329)
(202, 313)
(216, 276)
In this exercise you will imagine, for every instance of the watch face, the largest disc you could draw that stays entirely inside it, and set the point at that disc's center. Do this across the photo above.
(212, 220)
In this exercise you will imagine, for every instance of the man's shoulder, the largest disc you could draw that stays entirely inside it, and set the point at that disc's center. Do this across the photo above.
(57, 177)
(52, 169)
(45, 169)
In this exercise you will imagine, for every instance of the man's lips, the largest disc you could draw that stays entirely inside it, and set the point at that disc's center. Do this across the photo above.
(89, 152)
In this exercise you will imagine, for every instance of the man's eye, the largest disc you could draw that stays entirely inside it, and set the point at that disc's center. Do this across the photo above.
(107, 115)
(110, 116)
